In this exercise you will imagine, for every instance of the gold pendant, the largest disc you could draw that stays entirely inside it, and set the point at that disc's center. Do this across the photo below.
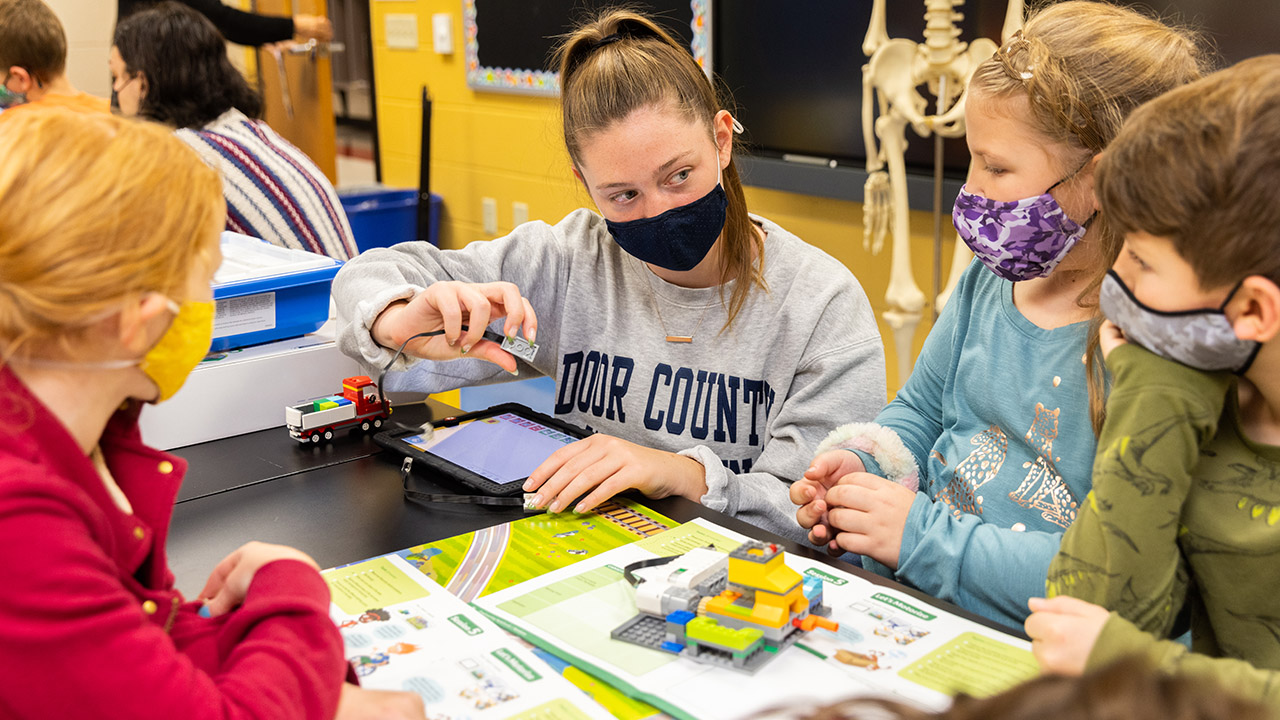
(679, 338)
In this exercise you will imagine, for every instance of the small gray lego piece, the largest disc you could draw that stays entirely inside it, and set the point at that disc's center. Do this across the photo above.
(680, 599)
(521, 348)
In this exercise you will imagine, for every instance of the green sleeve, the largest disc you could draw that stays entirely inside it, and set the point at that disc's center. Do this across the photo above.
(1120, 638)
(1122, 551)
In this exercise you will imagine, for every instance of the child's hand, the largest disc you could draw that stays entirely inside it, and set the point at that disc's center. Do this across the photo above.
(229, 583)
(1063, 631)
(869, 514)
(449, 305)
(1110, 337)
(810, 493)
(358, 703)
(605, 466)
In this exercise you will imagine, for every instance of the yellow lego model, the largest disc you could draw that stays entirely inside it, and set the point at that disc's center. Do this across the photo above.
(737, 610)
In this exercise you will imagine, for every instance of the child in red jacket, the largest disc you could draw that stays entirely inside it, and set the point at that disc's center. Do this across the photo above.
(108, 244)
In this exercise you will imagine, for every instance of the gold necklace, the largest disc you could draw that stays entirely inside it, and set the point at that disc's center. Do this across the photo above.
(657, 306)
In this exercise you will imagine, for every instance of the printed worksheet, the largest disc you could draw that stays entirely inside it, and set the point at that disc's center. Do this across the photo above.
(888, 644)
(403, 631)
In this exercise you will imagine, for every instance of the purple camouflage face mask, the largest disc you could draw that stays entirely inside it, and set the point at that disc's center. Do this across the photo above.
(1017, 240)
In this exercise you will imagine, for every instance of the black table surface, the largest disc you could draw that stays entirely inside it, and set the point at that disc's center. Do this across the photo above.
(344, 502)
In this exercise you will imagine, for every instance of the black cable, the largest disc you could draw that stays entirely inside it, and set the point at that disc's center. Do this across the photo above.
(426, 498)
(627, 572)
(652, 562)
(382, 376)
(488, 335)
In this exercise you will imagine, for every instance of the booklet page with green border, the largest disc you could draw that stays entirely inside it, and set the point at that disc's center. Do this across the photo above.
(888, 644)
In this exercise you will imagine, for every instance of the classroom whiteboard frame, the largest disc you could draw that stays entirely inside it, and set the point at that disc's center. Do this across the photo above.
(529, 81)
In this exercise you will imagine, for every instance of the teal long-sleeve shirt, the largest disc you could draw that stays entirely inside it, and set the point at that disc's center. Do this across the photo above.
(996, 415)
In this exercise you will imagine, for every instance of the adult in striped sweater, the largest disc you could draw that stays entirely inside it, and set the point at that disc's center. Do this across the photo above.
(169, 64)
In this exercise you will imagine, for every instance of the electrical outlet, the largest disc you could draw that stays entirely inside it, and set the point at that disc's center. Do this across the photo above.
(489, 214)
(519, 213)
(402, 31)
(442, 33)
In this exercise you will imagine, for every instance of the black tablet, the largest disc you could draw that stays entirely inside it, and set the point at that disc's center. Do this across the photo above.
(492, 451)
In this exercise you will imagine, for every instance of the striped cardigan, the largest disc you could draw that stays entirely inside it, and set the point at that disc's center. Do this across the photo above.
(272, 188)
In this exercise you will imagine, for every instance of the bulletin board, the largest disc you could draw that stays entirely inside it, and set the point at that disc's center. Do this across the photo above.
(509, 42)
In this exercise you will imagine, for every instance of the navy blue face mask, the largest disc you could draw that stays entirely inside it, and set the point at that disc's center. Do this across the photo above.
(679, 238)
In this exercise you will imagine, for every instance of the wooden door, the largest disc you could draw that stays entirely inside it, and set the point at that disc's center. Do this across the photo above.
(305, 117)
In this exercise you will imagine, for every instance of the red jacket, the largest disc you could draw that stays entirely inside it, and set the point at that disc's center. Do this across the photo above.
(90, 622)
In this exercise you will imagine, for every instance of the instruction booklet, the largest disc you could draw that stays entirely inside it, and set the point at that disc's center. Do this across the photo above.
(888, 644)
(406, 624)
(403, 631)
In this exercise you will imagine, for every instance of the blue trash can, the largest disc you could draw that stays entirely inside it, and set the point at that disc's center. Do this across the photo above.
(382, 218)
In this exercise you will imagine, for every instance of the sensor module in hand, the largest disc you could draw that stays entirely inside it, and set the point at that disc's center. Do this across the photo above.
(517, 346)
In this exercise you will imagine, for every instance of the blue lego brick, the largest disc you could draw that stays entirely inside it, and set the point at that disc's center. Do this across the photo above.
(812, 587)
(681, 617)
(672, 647)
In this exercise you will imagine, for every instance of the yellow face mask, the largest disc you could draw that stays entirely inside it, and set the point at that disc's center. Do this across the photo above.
(181, 348)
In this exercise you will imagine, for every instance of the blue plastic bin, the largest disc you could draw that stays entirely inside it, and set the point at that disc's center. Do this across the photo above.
(265, 293)
(382, 218)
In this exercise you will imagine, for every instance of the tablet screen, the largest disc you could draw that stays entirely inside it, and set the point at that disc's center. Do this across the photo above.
(503, 448)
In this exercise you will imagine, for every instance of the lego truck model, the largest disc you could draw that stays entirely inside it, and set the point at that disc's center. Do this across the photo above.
(359, 404)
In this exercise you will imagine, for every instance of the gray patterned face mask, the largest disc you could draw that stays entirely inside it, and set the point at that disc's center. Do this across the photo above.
(1202, 339)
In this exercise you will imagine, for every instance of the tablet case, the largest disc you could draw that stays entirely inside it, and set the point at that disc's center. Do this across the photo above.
(390, 439)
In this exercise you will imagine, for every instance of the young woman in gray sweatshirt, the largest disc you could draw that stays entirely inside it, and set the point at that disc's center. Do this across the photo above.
(708, 348)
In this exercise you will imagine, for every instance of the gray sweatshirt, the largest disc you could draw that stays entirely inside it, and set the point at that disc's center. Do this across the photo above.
(750, 403)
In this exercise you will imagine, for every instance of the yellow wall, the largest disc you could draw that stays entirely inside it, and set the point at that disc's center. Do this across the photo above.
(507, 147)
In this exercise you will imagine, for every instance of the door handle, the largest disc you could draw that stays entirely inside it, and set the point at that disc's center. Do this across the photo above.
(314, 47)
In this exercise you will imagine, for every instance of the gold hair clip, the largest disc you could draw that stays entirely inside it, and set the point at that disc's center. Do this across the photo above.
(1017, 41)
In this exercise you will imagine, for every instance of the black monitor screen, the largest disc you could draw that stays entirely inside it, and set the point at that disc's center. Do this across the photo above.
(795, 72)
(795, 68)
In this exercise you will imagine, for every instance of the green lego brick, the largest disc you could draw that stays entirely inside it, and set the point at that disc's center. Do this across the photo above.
(709, 631)
(737, 609)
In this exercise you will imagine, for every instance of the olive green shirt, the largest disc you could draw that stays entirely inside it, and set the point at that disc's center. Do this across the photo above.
(1184, 513)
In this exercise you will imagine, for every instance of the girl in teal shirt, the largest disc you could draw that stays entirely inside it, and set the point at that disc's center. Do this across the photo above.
(992, 438)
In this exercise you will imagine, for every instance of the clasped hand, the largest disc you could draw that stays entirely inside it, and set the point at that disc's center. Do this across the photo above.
(851, 510)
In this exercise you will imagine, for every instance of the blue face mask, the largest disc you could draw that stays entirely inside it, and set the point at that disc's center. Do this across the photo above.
(679, 238)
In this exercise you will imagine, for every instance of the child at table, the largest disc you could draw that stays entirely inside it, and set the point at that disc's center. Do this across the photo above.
(1183, 516)
(995, 423)
(105, 304)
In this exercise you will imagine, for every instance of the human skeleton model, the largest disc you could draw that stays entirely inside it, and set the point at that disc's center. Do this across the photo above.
(897, 68)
